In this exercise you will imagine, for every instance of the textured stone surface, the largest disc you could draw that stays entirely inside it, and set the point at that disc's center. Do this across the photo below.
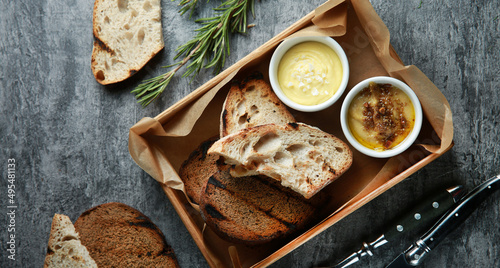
(68, 134)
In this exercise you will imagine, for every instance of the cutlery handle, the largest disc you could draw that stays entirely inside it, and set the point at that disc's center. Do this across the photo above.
(460, 212)
(423, 215)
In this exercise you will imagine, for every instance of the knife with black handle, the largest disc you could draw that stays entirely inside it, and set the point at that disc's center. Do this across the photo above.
(452, 219)
(421, 216)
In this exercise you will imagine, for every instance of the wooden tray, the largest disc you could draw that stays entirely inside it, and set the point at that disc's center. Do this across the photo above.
(159, 145)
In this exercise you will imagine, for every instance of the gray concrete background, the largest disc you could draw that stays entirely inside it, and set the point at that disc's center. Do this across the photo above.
(68, 134)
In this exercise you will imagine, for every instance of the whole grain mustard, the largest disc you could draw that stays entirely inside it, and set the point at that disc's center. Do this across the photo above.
(381, 116)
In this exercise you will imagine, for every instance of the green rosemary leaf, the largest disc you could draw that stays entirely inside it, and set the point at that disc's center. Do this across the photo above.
(208, 49)
(172, 65)
(252, 8)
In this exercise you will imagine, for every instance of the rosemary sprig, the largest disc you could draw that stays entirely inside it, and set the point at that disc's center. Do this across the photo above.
(207, 49)
(187, 5)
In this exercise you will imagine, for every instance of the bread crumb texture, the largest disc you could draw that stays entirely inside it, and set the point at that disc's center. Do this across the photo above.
(302, 157)
(252, 103)
(128, 33)
(64, 247)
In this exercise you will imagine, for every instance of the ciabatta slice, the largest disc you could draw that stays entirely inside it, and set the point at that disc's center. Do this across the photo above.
(252, 103)
(302, 157)
(65, 248)
(128, 33)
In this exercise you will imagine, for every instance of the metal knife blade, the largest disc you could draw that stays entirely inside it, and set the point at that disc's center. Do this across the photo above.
(421, 216)
(413, 256)
(401, 262)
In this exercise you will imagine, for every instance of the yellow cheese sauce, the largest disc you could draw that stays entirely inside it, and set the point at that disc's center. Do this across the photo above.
(381, 116)
(310, 73)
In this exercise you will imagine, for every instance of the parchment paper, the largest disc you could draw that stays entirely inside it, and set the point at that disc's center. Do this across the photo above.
(159, 145)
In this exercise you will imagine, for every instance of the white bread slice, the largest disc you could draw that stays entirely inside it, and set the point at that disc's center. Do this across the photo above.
(252, 103)
(302, 157)
(65, 248)
(128, 33)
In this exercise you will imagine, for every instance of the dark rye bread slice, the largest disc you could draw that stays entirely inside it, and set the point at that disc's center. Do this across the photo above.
(254, 210)
(252, 103)
(117, 235)
(196, 170)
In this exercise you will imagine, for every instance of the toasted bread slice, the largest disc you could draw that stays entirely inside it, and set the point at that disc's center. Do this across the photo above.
(252, 103)
(196, 170)
(253, 210)
(302, 157)
(65, 248)
(128, 33)
(118, 235)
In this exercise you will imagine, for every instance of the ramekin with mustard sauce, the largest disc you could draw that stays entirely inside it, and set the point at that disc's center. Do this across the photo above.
(381, 117)
(309, 73)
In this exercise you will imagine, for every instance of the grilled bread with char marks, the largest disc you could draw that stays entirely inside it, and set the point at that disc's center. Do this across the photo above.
(252, 103)
(254, 210)
(302, 157)
(196, 170)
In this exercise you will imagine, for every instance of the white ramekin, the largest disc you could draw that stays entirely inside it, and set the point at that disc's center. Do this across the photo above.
(283, 48)
(406, 143)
